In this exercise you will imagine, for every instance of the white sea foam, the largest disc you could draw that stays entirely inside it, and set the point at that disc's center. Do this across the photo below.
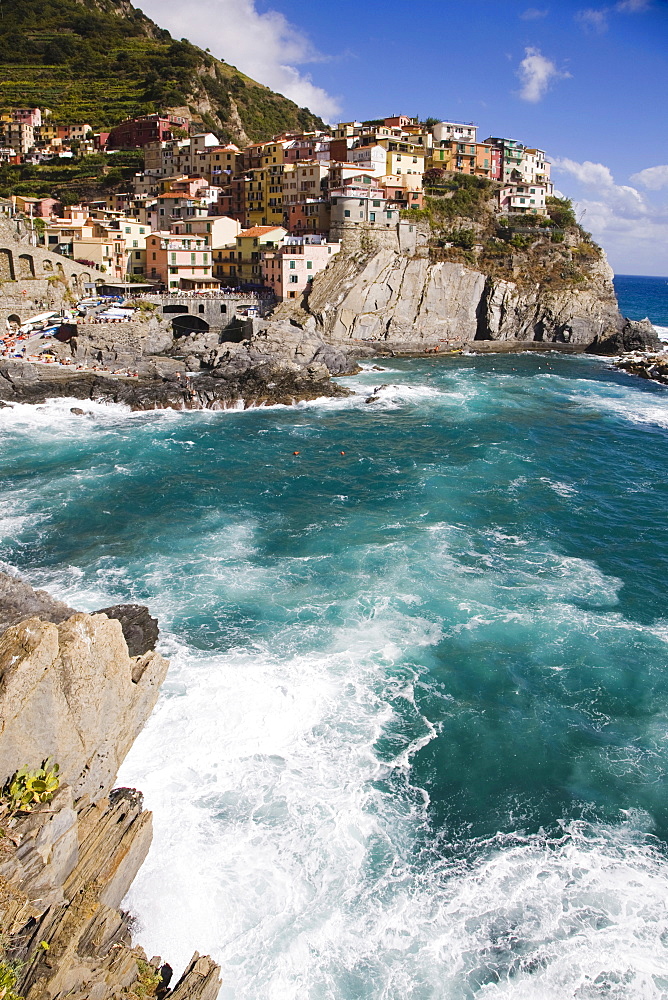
(276, 851)
(629, 402)
(662, 331)
(270, 765)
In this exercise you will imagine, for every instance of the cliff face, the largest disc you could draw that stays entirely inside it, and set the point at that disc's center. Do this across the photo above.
(399, 297)
(70, 690)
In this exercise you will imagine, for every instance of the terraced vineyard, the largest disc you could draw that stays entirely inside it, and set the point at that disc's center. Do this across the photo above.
(101, 61)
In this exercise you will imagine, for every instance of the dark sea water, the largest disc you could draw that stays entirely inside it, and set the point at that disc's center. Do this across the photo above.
(413, 744)
(641, 296)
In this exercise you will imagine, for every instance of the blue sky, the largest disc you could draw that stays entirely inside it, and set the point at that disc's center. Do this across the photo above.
(588, 82)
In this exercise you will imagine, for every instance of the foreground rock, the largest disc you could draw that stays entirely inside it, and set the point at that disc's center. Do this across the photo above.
(70, 690)
(231, 385)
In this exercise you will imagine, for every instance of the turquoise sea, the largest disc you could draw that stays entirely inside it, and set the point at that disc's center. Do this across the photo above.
(413, 744)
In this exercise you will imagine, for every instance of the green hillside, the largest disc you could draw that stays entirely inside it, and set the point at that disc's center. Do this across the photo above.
(101, 61)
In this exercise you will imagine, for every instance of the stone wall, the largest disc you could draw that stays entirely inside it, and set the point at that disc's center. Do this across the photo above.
(32, 278)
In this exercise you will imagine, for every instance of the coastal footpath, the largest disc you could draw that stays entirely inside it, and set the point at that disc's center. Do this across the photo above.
(75, 691)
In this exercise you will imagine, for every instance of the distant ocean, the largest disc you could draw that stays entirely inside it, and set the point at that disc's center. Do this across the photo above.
(640, 296)
(413, 741)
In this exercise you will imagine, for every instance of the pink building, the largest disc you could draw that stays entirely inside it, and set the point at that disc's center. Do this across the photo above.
(289, 270)
(496, 172)
(180, 262)
(27, 116)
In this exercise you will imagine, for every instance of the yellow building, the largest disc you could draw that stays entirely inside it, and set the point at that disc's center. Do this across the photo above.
(264, 195)
(452, 155)
(241, 262)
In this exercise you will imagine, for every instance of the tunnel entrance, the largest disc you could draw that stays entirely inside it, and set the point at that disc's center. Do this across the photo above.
(183, 325)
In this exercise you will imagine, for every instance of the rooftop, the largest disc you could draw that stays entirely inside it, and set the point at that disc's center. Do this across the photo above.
(259, 230)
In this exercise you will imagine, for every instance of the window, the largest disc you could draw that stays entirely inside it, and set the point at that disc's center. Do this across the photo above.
(135, 243)
(153, 256)
(205, 258)
(347, 214)
(137, 254)
(293, 265)
(309, 265)
(389, 215)
(173, 258)
(294, 278)
(376, 204)
(372, 217)
(193, 258)
(127, 229)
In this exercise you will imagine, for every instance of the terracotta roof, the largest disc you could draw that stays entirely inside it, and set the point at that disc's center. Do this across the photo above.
(259, 230)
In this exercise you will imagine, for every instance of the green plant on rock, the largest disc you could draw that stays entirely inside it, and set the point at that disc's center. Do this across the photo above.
(27, 789)
(8, 981)
(147, 982)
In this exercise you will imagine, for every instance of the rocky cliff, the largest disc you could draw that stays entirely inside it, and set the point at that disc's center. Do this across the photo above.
(70, 690)
(397, 293)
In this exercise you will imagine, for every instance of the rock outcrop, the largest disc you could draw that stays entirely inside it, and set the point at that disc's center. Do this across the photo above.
(71, 690)
(403, 300)
(645, 365)
(19, 601)
(236, 382)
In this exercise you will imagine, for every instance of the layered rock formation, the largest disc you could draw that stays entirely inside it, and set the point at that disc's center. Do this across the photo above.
(70, 690)
(397, 296)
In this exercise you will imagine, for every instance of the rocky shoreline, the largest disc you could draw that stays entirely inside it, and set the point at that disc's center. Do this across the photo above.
(648, 365)
(226, 387)
(77, 689)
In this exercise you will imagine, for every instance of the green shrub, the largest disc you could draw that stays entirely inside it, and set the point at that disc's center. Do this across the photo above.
(465, 239)
(8, 981)
(147, 983)
(561, 212)
(27, 789)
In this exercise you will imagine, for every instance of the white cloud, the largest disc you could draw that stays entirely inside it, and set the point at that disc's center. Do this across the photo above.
(652, 178)
(633, 231)
(537, 72)
(593, 20)
(632, 6)
(265, 46)
(534, 14)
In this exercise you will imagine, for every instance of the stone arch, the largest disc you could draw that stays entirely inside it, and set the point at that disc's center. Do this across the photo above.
(14, 321)
(26, 266)
(183, 325)
(60, 269)
(6, 265)
(47, 265)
